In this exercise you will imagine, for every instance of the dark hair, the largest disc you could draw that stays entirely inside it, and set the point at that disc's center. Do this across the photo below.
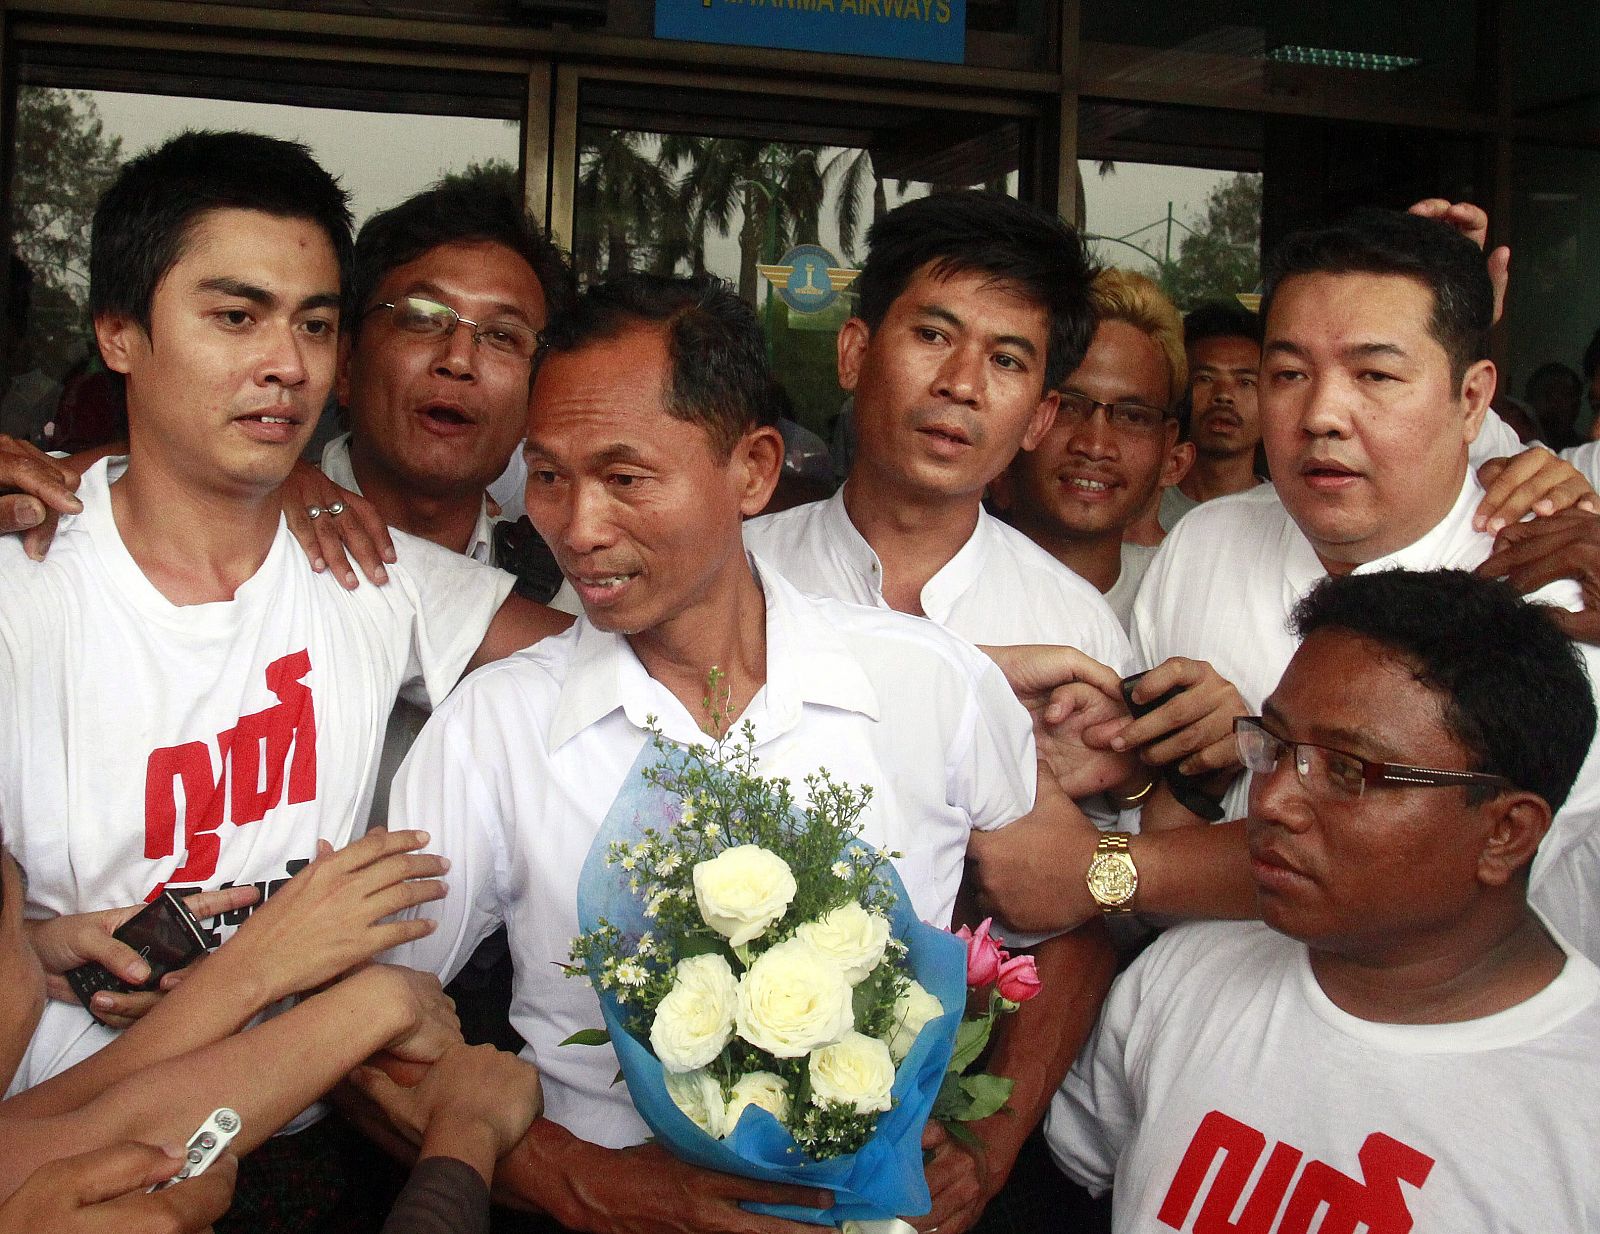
(720, 377)
(144, 219)
(1549, 373)
(1220, 319)
(1373, 241)
(1591, 357)
(1514, 689)
(1008, 240)
(451, 213)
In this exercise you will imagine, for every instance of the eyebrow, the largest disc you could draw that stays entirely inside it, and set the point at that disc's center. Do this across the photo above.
(265, 298)
(1349, 740)
(498, 309)
(618, 452)
(1354, 351)
(939, 313)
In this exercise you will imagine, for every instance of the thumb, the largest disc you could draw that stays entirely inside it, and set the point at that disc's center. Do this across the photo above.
(120, 958)
(106, 1173)
(19, 513)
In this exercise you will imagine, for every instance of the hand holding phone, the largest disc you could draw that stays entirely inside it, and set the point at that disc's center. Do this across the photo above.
(1189, 791)
(166, 937)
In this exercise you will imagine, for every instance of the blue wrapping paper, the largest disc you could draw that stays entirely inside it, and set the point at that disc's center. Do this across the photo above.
(885, 1177)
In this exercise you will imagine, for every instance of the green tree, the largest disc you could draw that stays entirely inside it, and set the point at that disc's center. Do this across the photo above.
(64, 160)
(491, 176)
(624, 205)
(1222, 256)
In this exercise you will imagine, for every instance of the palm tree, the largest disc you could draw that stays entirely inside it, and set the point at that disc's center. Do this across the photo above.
(850, 171)
(776, 188)
(625, 202)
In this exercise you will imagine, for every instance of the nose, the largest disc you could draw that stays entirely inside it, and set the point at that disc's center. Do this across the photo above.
(457, 359)
(1323, 409)
(284, 363)
(588, 526)
(1093, 437)
(1278, 798)
(960, 377)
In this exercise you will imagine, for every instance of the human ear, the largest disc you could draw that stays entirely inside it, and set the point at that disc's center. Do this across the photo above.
(1517, 822)
(1044, 415)
(1180, 457)
(852, 342)
(118, 337)
(757, 459)
(1477, 388)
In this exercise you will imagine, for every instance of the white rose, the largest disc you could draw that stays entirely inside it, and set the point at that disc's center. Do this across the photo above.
(855, 1071)
(743, 890)
(694, 1021)
(914, 1008)
(761, 1089)
(851, 936)
(792, 1000)
(699, 1096)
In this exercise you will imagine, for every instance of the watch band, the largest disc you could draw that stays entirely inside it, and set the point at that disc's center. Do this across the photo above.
(1113, 879)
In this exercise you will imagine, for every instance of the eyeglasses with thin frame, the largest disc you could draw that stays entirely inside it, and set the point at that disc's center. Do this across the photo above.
(1124, 414)
(430, 319)
(1329, 773)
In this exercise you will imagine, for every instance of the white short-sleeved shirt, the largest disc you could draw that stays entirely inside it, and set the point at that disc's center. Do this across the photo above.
(999, 589)
(1136, 559)
(515, 773)
(1495, 439)
(144, 743)
(1220, 1079)
(1221, 589)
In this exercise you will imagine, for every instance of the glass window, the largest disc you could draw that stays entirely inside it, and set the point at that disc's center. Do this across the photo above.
(736, 186)
(70, 143)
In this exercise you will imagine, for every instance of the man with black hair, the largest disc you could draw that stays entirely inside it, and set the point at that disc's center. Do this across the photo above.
(1373, 386)
(1223, 345)
(1404, 1043)
(190, 705)
(650, 437)
(972, 308)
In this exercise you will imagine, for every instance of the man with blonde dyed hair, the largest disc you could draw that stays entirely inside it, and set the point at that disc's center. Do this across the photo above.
(1113, 445)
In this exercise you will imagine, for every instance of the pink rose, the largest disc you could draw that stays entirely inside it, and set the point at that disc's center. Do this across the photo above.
(1018, 979)
(984, 956)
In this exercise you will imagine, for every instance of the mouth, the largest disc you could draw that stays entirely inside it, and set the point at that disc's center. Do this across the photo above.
(1090, 487)
(1223, 420)
(946, 437)
(598, 589)
(1328, 474)
(1273, 871)
(445, 419)
(273, 427)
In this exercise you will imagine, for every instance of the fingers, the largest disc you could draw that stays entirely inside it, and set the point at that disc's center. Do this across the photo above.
(207, 904)
(1470, 220)
(361, 518)
(195, 1203)
(118, 1010)
(304, 531)
(104, 1174)
(1499, 278)
(373, 847)
(1534, 482)
(331, 546)
(117, 956)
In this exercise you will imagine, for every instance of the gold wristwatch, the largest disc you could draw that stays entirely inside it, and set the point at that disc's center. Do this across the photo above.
(1113, 878)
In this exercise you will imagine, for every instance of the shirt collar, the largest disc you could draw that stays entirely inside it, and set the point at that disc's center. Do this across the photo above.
(337, 467)
(941, 592)
(1440, 545)
(808, 664)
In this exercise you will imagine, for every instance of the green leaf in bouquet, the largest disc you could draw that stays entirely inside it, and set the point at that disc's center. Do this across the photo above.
(988, 1095)
(950, 1100)
(971, 1037)
(589, 1036)
(965, 1138)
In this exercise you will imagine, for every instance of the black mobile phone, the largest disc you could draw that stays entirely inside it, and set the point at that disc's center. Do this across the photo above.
(166, 936)
(1187, 789)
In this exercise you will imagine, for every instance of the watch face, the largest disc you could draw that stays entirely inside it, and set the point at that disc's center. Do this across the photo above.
(1112, 881)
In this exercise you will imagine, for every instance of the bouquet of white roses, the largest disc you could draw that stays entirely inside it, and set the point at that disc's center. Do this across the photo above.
(776, 1007)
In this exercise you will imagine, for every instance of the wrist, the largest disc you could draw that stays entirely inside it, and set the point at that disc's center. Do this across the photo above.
(465, 1138)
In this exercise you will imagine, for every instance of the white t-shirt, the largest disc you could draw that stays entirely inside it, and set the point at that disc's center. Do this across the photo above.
(515, 773)
(1495, 439)
(144, 744)
(1000, 589)
(1219, 1043)
(1221, 589)
(1136, 559)
(1586, 458)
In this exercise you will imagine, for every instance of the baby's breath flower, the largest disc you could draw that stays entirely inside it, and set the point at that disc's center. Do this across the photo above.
(631, 972)
(841, 869)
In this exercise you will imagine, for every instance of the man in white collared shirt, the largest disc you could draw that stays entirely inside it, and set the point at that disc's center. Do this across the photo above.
(1372, 390)
(645, 451)
(972, 310)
